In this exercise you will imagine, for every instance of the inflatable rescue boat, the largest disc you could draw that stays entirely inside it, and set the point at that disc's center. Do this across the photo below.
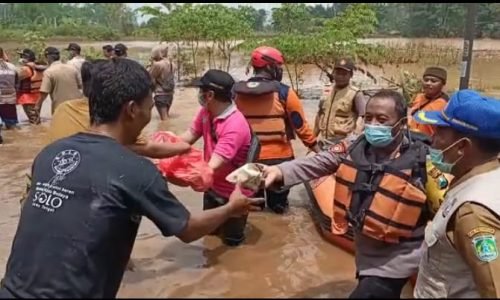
(320, 192)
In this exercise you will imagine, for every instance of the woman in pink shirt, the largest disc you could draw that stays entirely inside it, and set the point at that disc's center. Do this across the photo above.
(226, 141)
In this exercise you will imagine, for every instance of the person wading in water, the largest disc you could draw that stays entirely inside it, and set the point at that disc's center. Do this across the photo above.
(380, 192)
(78, 227)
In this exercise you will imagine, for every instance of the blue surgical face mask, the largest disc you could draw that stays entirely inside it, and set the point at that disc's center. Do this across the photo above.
(378, 135)
(437, 158)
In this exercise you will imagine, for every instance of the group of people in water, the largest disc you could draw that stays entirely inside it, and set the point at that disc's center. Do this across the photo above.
(91, 184)
(32, 81)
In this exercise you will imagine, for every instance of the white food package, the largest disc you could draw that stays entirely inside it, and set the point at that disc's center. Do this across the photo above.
(248, 176)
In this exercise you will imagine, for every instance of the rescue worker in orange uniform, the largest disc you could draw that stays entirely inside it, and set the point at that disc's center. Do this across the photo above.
(30, 80)
(431, 99)
(275, 114)
(381, 193)
(341, 113)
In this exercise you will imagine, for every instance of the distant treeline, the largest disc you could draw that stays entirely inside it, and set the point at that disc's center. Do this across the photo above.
(109, 21)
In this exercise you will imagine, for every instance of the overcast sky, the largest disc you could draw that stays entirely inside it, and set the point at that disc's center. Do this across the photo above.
(266, 6)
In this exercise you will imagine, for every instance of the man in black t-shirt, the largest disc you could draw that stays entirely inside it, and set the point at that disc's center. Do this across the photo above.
(79, 223)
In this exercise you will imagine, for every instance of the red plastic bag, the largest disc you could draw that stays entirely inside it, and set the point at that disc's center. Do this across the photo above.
(187, 169)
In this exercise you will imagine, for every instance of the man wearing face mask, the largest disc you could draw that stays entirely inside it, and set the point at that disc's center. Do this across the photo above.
(432, 99)
(226, 141)
(80, 221)
(381, 191)
(275, 114)
(461, 244)
(343, 110)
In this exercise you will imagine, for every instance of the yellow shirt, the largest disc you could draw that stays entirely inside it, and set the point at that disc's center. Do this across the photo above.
(72, 117)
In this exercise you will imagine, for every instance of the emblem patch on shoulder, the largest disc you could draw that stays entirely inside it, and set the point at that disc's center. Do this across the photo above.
(338, 148)
(485, 247)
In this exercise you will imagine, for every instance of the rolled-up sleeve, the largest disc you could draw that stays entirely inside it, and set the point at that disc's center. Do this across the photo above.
(308, 168)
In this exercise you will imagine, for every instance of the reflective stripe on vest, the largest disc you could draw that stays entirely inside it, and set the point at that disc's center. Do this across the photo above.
(389, 204)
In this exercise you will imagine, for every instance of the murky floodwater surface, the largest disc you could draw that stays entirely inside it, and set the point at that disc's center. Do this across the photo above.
(284, 256)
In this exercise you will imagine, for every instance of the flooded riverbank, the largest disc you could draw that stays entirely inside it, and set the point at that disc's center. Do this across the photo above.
(284, 255)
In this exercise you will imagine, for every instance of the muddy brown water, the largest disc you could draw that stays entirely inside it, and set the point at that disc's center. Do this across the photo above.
(284, 256)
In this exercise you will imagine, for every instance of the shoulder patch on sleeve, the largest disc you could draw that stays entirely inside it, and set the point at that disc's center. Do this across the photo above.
(338, 148)
(296, 119)
(485, 247)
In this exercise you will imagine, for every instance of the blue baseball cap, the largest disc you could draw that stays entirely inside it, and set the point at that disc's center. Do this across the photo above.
(468, 112)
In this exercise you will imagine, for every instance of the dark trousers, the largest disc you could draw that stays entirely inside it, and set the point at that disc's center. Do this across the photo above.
(163, 100)
(232, 232)
(277, 201)
(8, 114)
(370, 287)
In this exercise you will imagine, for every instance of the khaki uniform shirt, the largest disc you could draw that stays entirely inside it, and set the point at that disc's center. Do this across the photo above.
(62, 83)
(471, 220)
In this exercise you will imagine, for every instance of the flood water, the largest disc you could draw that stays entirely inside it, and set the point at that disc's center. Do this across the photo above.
(284, 256)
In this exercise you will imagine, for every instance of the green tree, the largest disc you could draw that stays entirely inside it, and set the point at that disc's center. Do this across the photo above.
(254, 17)
(291, 18)
(338, 37)
(92, 20)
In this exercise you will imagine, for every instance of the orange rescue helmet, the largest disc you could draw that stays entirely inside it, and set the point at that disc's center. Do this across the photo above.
(265, 56)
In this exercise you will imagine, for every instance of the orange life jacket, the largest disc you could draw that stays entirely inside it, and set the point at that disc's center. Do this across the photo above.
(421, 102)
(263, 105)
(33, 83)
(382, 201)
(424, 101)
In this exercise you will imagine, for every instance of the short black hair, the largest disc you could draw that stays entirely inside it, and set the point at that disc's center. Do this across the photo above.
(88, 69)
(397, 97)
(28, 54)
(488, 146)
(107, 48)
(221, 96)
(120, 49)
(52, 53)
(54, 57)
(260, 70)
(117, 82)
